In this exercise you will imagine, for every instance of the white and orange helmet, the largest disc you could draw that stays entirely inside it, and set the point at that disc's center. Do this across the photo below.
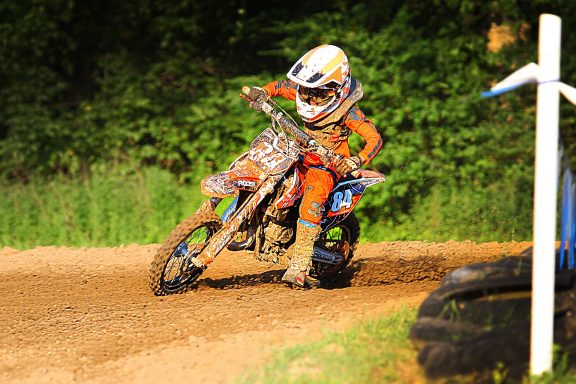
(323, 78)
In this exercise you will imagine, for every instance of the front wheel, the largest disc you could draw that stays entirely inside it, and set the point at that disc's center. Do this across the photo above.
(171, 270)
(341, 239)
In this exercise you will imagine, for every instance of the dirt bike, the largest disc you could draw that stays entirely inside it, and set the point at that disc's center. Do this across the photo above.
(266, 183)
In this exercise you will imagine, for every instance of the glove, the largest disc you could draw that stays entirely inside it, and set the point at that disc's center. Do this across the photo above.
(348, 164)
(258, 96)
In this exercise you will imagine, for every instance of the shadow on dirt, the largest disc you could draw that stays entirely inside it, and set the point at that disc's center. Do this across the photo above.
(363, 272)
(234, 282)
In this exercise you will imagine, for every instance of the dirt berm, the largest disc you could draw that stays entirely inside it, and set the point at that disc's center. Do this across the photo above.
(70, 315)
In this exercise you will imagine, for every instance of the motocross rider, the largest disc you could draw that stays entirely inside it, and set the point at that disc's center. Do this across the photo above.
(326, 97)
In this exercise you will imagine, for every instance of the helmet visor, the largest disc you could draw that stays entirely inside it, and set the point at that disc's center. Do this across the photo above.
(317, 96)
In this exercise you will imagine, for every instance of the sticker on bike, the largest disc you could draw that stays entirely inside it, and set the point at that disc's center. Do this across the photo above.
(342, 200)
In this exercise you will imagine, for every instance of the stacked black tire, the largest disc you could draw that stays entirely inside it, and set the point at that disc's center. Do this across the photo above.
(476, 326)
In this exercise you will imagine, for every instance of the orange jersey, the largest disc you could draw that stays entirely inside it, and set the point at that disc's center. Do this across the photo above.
(354, 119)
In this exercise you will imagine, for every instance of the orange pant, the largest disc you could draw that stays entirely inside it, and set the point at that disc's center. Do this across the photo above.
(317, 186)
(318, 183)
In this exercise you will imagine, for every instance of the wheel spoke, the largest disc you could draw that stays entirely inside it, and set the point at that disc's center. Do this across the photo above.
(169, 268)
(177, 271)
(336, 240)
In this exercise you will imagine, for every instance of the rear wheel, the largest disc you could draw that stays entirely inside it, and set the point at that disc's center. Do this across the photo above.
(171, 270)
(341, 239)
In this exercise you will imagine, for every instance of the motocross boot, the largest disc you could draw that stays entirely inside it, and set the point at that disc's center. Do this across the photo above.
(302, 252)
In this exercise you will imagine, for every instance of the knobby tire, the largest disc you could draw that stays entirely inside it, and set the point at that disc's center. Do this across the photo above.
(167, 252)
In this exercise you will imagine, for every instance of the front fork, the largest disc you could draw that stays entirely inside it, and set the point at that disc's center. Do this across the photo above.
(223, 237)
(209, 205)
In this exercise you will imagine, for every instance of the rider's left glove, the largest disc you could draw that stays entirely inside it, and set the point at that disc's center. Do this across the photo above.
(348, 164)
(258, 96)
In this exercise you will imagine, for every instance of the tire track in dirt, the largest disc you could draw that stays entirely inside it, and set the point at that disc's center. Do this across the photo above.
(87, 315)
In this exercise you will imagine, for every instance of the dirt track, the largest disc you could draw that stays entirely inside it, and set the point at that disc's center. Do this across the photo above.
(87, 315)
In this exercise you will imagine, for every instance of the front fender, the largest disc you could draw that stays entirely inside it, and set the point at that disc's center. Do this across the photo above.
(227, 183)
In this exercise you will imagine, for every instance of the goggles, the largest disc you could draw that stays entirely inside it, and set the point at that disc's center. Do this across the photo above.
(317, 96)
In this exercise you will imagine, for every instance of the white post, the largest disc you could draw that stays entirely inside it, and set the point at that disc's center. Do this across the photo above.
(545, 192)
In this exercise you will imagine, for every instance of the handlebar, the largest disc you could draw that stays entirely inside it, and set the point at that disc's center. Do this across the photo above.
(327, 155)
(302, 137)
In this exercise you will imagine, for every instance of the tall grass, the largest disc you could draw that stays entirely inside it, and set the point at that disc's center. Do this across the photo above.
(141, 207)
(104, 210)
(495, 213)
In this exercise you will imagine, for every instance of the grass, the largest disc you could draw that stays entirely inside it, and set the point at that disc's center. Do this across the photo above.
(561, 374)
(450, 213)
(104, 210)
(142, 207)
(371, 352)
